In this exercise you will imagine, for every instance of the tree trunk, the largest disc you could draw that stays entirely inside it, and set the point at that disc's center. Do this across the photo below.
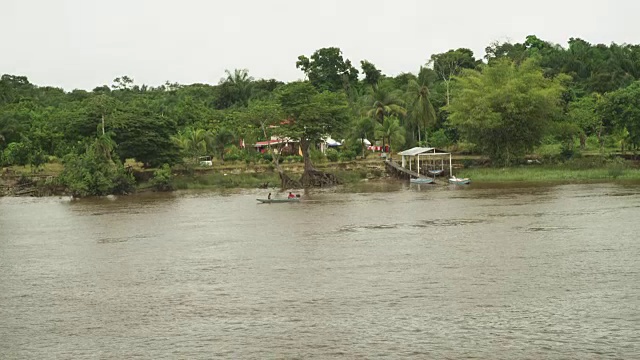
(312, 177)
(304, 146)
(600, 141)
(103, 124)
(285, 181)
(447, 85)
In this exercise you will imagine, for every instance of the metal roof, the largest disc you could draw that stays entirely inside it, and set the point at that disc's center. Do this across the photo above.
(417, 151)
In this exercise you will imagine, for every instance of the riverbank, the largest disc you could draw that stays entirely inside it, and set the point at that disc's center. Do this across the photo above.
(21, 182)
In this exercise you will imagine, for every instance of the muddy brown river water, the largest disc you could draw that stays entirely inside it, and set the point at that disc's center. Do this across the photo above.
(375, 271)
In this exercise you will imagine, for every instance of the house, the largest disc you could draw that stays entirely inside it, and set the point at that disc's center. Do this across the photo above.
(286, 145)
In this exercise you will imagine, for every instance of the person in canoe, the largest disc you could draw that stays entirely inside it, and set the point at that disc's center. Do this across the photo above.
(269, 196)
(291, 196)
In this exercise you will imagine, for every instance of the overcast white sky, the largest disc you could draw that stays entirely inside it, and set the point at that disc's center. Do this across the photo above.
(86, 43)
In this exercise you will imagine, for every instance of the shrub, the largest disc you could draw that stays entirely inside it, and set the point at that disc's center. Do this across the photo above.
(439, 139)
(232, 157)
(316, 155)
(347, 155)
(16, 154)
(332, 155)
(617, 168)
(162, 179)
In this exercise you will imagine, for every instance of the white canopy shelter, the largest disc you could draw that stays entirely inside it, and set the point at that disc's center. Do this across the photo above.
(432, 154)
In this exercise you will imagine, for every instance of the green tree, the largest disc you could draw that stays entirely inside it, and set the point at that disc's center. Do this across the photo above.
(221, 139)
(363, 128)
(93, 174)
(145, 135)
(583, 114)
(312, 115)
(371, 73)
(392, 131)
(263, 115)
(622, 108)
(505, 109)
(328, 70)
(194, 142)
(383, 103)
(235, 89)
(122, 83)
(422, 113)
(17, 153)
(449, 64)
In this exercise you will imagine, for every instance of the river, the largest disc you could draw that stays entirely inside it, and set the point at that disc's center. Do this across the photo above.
(385, 270)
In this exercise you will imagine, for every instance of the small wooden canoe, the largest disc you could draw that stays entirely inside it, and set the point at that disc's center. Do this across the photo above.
(276, 201)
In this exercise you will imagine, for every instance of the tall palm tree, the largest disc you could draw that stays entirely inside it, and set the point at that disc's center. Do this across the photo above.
(422, 113)
(242, 82)
(383, 103)
(392, 130)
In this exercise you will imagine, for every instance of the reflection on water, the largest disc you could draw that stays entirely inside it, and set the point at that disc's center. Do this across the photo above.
(384, 269)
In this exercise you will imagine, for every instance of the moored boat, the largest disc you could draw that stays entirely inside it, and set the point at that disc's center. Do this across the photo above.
(459, 181)
(422, 180)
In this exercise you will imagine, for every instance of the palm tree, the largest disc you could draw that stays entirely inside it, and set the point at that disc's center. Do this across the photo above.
(194, 142)
(221, 139)
(422, 112)
(363, 128)
(242, 82)
(104, 145)
(382, 103)
(392, 131)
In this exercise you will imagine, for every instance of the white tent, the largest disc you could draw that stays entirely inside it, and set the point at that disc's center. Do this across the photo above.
(330, 142)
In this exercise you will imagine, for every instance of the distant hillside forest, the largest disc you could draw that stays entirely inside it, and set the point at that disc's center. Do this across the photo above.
(519, 98)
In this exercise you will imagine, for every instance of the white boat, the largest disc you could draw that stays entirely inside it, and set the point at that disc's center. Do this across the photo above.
(459, 181)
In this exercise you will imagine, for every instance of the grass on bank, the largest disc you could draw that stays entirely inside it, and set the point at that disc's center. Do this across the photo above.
(555, 173)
